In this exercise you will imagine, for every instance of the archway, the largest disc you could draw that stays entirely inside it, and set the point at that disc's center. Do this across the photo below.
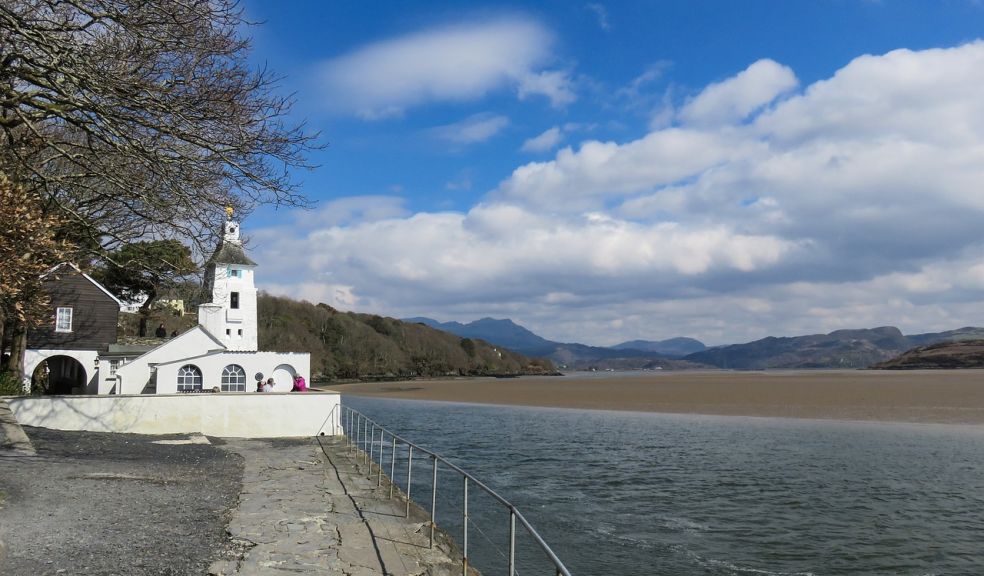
(59, 375)
(283, 377)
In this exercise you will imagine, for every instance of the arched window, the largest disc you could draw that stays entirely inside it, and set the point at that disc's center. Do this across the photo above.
(189, 378)
(233, 379)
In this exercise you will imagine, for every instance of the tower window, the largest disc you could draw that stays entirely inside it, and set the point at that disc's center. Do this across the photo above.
(234, 300)
(235, 273)
(240, 332)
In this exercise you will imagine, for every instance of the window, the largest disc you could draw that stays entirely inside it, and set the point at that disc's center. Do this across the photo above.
(235, 272)
(233, 379)
(240, 331)
(189, 378)
(234, 300)
(113, 365)
(228, 332)
(63, 320)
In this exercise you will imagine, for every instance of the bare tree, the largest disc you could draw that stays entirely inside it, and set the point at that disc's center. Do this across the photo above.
(141, 119)
(28, 248)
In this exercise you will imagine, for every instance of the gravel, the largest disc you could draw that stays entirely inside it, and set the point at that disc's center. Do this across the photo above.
(98, 504)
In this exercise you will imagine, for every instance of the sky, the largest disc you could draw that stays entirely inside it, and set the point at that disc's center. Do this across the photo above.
(608, 171)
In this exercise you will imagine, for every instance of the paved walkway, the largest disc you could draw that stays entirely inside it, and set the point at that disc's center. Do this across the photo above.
(307, 509)
(12, 436)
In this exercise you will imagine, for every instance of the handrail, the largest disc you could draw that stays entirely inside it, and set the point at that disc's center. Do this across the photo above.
(360, 428)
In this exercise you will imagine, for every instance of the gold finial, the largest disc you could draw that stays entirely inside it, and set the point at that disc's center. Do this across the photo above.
(229, 212)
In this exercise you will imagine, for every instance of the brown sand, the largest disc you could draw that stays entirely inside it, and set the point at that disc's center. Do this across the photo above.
(931, 396)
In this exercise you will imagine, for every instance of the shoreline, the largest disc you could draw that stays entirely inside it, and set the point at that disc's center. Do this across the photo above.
(917, 396)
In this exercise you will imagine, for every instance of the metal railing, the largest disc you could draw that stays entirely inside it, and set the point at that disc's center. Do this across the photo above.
(360, 432)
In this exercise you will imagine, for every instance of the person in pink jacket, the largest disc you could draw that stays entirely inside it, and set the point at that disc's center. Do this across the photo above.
(299, 384)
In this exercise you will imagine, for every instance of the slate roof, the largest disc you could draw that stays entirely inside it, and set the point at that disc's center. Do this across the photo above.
(229, 253)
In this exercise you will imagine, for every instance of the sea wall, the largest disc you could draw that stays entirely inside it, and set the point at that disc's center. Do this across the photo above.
(225, 415)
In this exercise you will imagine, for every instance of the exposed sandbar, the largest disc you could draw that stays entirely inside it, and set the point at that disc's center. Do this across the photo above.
(930, 396)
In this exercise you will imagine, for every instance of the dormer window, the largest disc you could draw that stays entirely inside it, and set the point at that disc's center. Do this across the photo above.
(63, 320)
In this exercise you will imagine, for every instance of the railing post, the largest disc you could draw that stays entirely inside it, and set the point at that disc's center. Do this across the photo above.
(464, 530)
(433, 501)
(379, 477)
(512, 541)
(365, 439)
(393, 468)
(358, 435)
(372, 447)
(409, 470)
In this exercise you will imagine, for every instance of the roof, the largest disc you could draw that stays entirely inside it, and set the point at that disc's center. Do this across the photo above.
(87, 277)
(229, 253)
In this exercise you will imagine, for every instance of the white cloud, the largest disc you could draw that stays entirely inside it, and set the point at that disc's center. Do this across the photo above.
(602, 14)
(555, 85)
(547, 140)
(766, 209)
(453, 63)
(471, 130)
(735, 98)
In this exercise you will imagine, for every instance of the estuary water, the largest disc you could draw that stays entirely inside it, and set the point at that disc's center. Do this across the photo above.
(632, 493)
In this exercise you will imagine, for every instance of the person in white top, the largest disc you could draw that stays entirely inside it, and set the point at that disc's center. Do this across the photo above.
(268, 386)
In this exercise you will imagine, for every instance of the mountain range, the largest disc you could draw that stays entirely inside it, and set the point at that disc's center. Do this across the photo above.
(858, 348)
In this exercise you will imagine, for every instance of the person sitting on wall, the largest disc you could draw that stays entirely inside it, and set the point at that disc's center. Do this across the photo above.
(259, 385)
(268, 386)
(161, 331)
(299, 384)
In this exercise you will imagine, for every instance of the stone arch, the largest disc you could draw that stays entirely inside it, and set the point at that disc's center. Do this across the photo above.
(86, 381)
(283, 376)
(59, 375)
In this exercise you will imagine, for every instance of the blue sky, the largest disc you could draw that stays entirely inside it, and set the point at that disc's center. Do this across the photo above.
(605, 171)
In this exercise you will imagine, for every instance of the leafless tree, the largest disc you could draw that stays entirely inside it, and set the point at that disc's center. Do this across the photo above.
(142, 119)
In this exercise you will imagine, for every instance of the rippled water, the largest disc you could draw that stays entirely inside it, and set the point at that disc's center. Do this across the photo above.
(644, 494)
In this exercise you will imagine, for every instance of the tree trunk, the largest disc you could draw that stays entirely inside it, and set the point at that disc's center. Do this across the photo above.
(18, 348)
(5, 340)
(145, 312)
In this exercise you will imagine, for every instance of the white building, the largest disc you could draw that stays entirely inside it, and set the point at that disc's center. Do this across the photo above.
(219, 354)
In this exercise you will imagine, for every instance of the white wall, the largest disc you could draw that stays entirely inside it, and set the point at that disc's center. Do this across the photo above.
(225, 415)
(132, 377)
(211, 366)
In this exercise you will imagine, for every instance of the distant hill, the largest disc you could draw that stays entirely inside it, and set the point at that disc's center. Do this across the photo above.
(839, 349)
(348, 345)
(672, 347)
(572, 355)
(499, 332)
(952, 354)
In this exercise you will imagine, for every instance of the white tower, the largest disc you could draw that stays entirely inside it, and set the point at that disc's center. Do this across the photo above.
(231, 317)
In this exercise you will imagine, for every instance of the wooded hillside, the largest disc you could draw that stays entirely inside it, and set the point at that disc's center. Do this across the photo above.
(345, 345)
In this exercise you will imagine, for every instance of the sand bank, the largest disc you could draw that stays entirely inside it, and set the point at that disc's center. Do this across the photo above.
(931, 396)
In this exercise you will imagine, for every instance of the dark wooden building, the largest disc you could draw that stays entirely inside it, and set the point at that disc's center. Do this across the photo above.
(84, 315)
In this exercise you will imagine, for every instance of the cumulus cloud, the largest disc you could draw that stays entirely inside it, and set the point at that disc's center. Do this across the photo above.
(765, 208)
(735, 98)
(471, 130)
(452, 63)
